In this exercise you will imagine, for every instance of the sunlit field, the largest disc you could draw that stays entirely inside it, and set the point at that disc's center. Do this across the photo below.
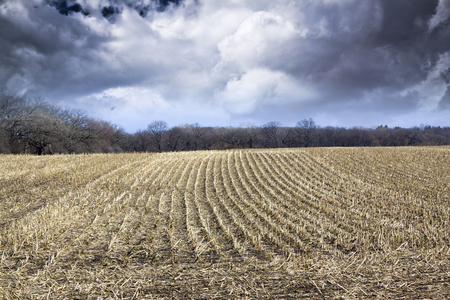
(267, 224)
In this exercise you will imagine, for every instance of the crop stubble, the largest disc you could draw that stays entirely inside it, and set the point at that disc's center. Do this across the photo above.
(324, 222)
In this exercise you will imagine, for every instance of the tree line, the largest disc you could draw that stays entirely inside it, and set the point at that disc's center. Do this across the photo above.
(39, 127)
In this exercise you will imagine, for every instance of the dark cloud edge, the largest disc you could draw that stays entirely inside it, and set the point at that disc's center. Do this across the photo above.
(115, 7)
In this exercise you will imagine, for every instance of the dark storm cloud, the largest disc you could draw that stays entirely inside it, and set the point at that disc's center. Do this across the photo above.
(232, 60)
(58, 55)
(115, 7)
(445, 75)
(388, 48)
(109, 12)
(67, 7)
(47, 50)
(350, 48)
(405, 22)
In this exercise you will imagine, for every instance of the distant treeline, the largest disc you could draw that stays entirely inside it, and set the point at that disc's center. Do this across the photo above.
(39, 127)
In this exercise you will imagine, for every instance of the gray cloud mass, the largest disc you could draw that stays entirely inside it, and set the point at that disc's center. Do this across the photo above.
(341, 62)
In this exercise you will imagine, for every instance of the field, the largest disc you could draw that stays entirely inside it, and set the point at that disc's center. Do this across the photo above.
(333, 223)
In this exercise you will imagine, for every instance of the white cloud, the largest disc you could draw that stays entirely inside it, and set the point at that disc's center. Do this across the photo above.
(442, 14)
(432, 89)
(260, 87)
(131, 105)
(260, 38)
(18, 85)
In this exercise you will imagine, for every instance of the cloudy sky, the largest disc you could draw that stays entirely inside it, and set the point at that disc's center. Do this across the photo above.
(233, 62)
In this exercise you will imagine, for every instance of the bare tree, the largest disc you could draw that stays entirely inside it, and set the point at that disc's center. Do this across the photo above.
(238, 137)
(173, 138)
(273, 135)
(142, 141)
(195, 137)
(11, 116)
(306, 129)
(40, 126)
(79, 135)
(156, 130)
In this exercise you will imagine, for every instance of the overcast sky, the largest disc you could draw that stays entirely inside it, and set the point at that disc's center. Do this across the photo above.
(233, 62)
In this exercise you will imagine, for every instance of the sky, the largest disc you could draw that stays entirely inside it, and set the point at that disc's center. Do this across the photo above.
(343, 63)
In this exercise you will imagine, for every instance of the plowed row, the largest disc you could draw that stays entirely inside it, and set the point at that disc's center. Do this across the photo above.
(249, 223)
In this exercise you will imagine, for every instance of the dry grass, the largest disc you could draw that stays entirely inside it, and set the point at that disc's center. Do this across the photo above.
(328, 223)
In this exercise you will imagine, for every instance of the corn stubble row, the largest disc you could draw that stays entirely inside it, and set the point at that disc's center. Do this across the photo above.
(241, 207)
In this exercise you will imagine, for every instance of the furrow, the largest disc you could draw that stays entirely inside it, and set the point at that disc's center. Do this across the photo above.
(204, 247)
(267, 227)
(302, 189)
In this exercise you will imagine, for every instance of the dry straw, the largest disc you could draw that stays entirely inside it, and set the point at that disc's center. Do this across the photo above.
(284, 223)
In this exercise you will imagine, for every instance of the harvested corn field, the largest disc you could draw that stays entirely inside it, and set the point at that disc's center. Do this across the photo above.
(266, 224)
